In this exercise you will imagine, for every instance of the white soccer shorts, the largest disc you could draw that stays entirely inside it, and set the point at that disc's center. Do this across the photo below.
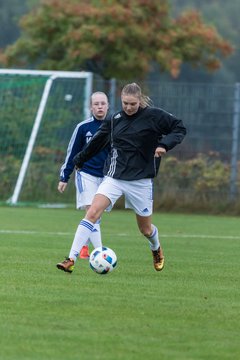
(86, 187)
(138, 193)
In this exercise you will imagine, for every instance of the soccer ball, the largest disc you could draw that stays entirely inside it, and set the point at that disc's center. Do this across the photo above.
(102, 260)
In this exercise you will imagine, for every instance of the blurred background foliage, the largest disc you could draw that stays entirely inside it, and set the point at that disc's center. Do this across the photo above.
(224, 15)
(169, 39)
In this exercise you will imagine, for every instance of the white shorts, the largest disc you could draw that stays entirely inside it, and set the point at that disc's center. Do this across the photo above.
(86, 187)
(138, 193)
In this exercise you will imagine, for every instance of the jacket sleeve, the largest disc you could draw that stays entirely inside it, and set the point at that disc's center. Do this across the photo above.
(99, 141)
(173, 131)
(74, 146)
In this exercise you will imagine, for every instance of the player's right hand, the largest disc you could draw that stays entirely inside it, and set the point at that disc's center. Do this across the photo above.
(62, 186)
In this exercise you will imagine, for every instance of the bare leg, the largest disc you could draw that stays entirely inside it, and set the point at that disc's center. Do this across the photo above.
(99, 204)
(145, 225)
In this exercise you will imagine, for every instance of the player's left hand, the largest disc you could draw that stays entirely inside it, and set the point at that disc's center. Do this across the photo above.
(160, 151)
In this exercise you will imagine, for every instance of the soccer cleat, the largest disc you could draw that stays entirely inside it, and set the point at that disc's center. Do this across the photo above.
(67, 265)
(84, 253)
(158, 259)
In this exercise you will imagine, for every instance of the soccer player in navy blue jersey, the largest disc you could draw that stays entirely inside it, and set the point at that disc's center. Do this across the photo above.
(139, 135)
(91, 175)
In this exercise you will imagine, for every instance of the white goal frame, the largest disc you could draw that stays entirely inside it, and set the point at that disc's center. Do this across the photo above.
(51, 76)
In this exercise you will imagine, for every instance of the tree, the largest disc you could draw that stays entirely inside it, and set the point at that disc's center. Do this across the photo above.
(225, 17)
(114, 38)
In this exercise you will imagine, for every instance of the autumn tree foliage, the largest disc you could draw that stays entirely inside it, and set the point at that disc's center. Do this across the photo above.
(114, 38)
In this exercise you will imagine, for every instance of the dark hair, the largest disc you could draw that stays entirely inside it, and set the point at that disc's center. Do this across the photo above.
(135, 90)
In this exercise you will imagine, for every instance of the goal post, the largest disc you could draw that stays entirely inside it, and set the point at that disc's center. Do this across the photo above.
(49, 104)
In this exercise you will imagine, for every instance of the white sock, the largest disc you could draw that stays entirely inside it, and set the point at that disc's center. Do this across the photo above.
(154, 239)
(95, 236)
(81, 237)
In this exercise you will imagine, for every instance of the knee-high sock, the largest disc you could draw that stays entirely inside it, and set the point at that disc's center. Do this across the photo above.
(154, 239)
(81, 236)
(95, 236)
(88, 241)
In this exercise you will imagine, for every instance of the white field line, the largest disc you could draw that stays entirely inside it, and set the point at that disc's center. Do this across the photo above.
(59, 233)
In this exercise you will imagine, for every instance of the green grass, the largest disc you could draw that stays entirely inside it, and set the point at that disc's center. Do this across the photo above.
(190, 311)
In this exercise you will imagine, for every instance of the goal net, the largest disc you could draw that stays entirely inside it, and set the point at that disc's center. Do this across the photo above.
(39, 111)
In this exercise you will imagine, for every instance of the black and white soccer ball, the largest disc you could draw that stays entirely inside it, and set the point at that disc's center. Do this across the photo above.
(103, 260)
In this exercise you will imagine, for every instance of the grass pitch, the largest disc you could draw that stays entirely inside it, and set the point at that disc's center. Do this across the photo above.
(189, 311)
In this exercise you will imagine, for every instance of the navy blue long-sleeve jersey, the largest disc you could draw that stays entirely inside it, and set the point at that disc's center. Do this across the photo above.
(81, 136)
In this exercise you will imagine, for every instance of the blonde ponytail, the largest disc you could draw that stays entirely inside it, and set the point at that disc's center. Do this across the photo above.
(135, 90)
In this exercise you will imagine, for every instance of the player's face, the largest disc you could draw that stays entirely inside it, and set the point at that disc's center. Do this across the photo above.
(99, 106)
(130, 104)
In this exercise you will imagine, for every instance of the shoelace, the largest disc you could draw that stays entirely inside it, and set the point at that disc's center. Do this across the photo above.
(66, 260)
(156, 256)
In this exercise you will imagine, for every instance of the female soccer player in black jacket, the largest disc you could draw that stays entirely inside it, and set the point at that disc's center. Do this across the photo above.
(139, 135)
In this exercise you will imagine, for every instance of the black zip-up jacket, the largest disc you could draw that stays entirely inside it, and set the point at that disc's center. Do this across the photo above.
(134, 140)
